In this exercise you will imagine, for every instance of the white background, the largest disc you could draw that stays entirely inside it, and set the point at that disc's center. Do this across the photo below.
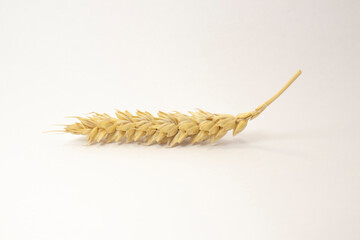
(294, 173)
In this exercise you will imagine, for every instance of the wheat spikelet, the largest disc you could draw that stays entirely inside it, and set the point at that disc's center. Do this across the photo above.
(171, 128)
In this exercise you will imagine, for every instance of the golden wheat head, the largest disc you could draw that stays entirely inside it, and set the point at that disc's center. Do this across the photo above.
(170, 128)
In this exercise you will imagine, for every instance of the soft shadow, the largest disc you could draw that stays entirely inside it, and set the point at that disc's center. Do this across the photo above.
(247, 140)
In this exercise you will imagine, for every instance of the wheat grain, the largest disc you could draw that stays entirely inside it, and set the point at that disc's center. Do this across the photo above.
(171, 128)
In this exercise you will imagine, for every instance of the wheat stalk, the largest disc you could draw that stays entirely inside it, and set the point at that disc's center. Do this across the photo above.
(170, 128)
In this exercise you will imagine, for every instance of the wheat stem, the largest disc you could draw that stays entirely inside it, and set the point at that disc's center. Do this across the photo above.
(263, 106)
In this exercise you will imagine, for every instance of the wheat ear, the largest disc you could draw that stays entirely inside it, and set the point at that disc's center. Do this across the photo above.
(170, 128)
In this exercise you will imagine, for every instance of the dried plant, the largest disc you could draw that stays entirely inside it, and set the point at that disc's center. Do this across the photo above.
(170, 128)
